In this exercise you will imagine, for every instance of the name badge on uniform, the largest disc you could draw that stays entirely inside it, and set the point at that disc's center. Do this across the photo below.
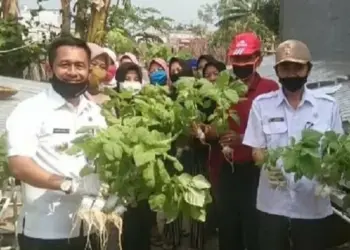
(276, 119)
(61, 130)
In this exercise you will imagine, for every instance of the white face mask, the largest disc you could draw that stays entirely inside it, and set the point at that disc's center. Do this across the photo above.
(132, 86)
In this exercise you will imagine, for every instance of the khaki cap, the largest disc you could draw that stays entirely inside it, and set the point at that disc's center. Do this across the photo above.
(293, 51)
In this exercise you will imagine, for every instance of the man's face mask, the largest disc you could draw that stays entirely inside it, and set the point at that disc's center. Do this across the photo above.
(131, 86)
(293, 84)
(244, 70)
(158, 77)
(66, 89)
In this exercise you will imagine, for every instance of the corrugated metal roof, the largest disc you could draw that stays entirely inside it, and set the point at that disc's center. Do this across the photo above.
(25, 89)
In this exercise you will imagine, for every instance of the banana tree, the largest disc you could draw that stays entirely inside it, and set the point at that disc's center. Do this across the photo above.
(9, 9)
(97, 25)
(263, 11)
(66, 24)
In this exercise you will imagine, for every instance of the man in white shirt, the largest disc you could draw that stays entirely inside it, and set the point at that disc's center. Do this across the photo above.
(37, 129)
(290, 215)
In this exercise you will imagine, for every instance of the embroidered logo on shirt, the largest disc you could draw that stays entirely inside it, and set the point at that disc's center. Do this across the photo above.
(61, 130)
(276, 119)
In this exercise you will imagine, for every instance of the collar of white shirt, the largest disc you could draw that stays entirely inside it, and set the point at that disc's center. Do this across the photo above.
(307, 97)
(56, 101)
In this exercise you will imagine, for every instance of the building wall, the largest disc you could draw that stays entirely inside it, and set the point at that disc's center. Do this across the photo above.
(322, 24)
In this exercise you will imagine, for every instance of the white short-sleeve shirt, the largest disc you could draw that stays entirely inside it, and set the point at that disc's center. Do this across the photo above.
(272, 122)
(38, 128)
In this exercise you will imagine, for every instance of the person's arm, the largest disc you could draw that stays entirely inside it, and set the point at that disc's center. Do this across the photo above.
(22, 140)
(254, 136)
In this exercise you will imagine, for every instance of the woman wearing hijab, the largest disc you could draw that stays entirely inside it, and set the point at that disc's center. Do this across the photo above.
(158, 75)
(129, 77)
(202, 61)
(112, 68)
(194, 160)
(179, 68)
(99, 65)
(158, 72)
(173, 231)
(137, 221)
(211, 72)
(212, 69)
(129, 57)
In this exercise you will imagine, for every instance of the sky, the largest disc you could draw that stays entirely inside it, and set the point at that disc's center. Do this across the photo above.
(182, 11)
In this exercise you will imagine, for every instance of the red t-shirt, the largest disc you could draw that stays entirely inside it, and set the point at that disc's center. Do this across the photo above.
(241, 153)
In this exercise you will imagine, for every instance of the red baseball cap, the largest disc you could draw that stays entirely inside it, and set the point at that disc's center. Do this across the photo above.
(244, 44)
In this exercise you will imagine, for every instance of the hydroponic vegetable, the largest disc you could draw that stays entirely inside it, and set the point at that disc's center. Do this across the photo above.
(321, 156)
(4, 168)
(132, 154)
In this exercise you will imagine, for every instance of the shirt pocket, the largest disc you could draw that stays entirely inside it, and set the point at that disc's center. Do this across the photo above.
(321, 126)
(54, 137)
(276, 134)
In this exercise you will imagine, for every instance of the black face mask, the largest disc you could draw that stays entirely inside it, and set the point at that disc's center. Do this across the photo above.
(293, 84)
(243, 72)
(68, 90)
(174, 77)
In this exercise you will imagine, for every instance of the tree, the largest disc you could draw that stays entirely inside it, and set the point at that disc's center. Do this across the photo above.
(263, 12)
(99, 13)
(208, 14)
(66, 22)
(9, 9)
(129, 26)
(136, 22)
(81, 18)
(235, 16)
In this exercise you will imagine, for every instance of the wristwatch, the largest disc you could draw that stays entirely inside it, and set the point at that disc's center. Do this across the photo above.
(66, 185)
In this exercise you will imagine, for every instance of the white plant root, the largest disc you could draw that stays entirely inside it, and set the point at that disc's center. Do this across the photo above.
(98, 222)
(322, 190)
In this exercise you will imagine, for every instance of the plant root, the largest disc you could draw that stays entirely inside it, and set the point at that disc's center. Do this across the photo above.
(322, 190)
(97, 222)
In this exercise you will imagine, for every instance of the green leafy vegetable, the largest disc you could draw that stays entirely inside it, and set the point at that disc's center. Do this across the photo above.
(132, 154)
(323, 156)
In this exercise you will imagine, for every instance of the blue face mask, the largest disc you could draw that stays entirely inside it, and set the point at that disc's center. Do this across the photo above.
(158, 77)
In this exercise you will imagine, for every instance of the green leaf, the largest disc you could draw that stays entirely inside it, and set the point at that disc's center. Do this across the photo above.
(156, 202)
(195, 197)
(185, 179)
(88, 129)
(108, 151)
(198, 214)
(149, 176)
(73, 150)
(200, 182)
(81, 139)
(117, 151)
(86, 171)
(177, 165)
(162, 172)
(231, 95)
(143, 158)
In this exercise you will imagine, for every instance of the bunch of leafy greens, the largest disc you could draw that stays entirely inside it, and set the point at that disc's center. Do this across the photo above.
(4, 169)
(323, 156)
(132, 154)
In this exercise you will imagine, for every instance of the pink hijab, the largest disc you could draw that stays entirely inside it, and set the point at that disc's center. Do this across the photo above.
(97, 50)
(162, 63)
(131, 56)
